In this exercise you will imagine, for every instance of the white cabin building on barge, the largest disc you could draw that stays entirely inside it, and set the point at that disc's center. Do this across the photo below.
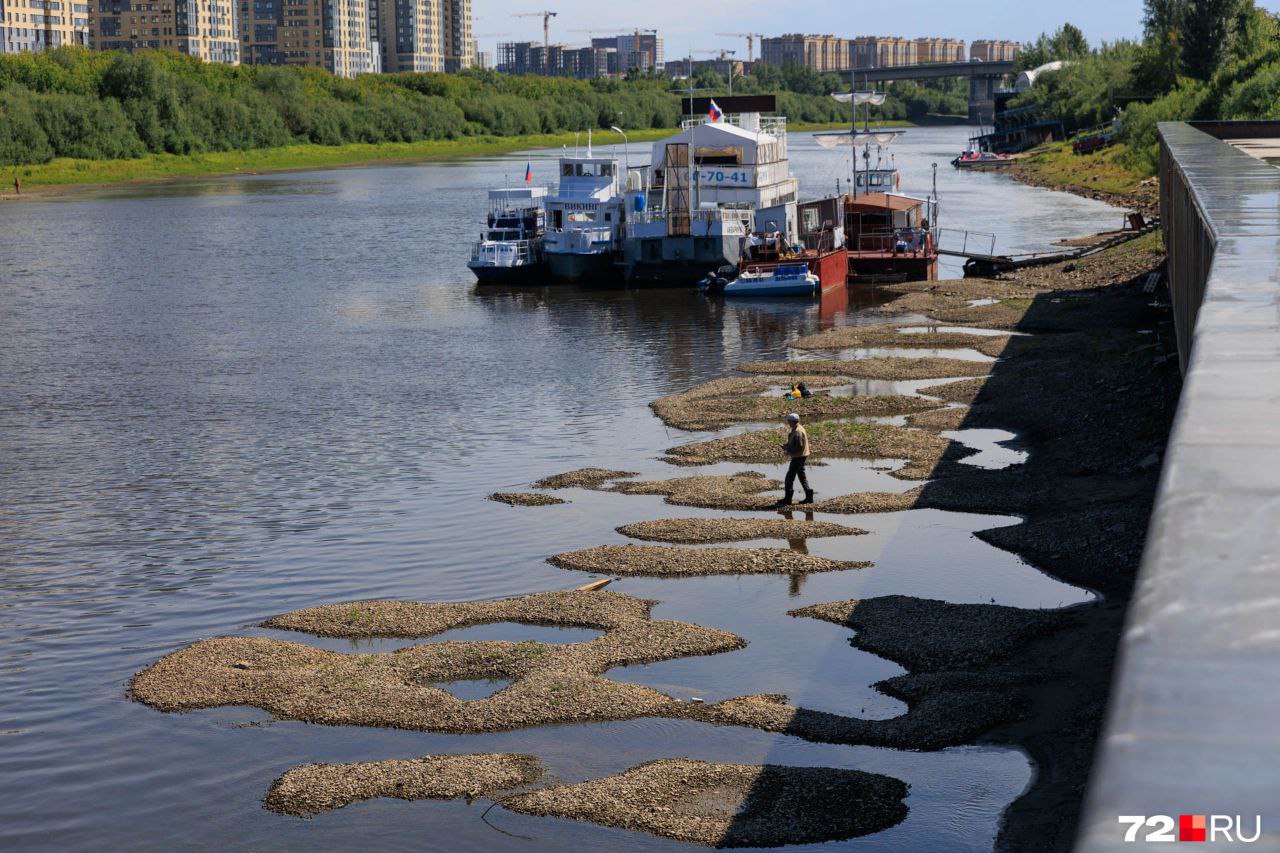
(584, 228)
(706, 188)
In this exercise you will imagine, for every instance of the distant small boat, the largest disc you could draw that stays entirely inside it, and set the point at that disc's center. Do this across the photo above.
(792, 279)
(981, 160)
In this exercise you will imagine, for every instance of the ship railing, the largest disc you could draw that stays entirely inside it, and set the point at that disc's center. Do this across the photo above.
(524, 249)
(970, 242)
(914, 242)
(706, 216)
(754, 122)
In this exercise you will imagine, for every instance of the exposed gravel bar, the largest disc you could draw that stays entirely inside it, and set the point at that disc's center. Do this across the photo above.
(526, 499)
(704, 530)
(878, 368)
(923, 450)
(668, 561)
(583, 478)
(939, 420)
(960, 391)
(885, 335)
(550, 683)
(710, 413)
(729, 805)
(314, 788)
(741, 491)
(866, 502)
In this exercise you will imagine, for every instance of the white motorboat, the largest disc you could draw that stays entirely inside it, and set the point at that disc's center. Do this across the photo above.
(789, 279)
(510, 249)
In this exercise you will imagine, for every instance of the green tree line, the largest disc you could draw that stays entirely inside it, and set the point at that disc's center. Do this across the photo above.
(71, 102)
(1197, 59)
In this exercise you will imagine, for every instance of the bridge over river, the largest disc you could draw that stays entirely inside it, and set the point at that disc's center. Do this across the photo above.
(984, 77)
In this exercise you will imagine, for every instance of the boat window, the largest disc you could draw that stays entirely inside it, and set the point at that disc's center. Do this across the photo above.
(606, 170)
(566, 170)
(582, 216)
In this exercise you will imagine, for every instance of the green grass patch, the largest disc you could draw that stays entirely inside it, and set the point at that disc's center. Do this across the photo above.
(66, 172)
(1105, 170)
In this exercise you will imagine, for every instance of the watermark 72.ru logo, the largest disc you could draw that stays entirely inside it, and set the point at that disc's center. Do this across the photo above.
(1191, 827)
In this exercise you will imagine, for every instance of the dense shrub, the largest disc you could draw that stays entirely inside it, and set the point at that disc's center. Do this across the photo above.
(95, 105)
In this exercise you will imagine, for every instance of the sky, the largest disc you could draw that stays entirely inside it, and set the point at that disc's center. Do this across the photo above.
(686, 24)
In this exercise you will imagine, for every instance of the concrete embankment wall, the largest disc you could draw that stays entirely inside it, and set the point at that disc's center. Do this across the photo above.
(1194, 719)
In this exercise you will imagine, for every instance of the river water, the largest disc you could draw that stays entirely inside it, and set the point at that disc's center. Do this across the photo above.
(225, 399)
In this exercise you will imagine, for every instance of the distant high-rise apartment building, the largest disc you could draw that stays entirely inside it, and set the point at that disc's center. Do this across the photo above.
(819, 52)
(883, 51)
(200, 28)
(459, 44)
(27, 25)
(641, 51)
(930, 49)
(410, 35)
(336, 35)
(992, 50)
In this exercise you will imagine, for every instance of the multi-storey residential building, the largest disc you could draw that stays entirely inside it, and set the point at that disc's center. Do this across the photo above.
(930, 49)
(455, 27)
(332, 34)
(200, 28)
(642, 51)
(991, 50)
(27, 25)
(819, 52)
(883, 51)
(410, 35)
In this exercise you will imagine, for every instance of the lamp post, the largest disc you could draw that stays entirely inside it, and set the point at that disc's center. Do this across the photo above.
(625, 153)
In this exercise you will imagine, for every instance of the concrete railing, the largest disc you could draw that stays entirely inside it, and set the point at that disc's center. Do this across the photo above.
(1194, 720)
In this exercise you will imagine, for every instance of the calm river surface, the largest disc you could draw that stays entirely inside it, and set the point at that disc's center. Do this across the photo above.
(227, 399)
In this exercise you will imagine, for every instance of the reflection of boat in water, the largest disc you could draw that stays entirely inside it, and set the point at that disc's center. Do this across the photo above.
(981, 160)
(510, 249)
(790, 278)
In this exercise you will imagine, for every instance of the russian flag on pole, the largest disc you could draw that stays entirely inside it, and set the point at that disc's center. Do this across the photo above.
(715, 113)
(528, 172)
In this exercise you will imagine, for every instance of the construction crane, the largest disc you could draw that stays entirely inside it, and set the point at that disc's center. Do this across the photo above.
(546, 17)
(751, 41)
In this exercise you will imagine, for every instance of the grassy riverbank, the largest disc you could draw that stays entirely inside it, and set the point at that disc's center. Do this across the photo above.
(1104, 175)
(69, 173)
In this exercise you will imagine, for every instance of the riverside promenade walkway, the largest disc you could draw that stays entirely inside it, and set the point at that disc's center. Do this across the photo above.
(1194, 719)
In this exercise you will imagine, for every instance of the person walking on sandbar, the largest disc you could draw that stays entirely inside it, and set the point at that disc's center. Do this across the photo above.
(797, 447)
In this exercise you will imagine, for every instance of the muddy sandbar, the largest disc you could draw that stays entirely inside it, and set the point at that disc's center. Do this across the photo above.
(669, 561)
(704, 530)
(526, 499)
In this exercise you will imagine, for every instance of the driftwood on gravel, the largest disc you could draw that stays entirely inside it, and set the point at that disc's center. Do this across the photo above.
(728, 805)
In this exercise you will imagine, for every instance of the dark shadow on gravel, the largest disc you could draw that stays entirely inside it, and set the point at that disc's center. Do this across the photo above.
(1090, 392)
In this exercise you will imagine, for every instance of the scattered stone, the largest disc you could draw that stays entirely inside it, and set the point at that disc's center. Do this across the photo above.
(741, 491)
(964, 391)
(526, 499)
(880, 368)
(869, 502)
(703, 530)
(314, 788)
(667, 561)
(728, 805)
(583, 478)
(711, 413)
(882, 336)
(848, 439)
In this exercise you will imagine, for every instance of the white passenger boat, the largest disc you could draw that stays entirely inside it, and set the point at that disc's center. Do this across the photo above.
(723, 176)
(585, 219)
(790, 279)
(510, 249)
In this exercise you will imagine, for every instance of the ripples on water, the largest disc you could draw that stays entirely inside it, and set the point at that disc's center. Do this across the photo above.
(227, 399)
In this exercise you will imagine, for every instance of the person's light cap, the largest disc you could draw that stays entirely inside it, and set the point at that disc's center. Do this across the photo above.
(793, 418)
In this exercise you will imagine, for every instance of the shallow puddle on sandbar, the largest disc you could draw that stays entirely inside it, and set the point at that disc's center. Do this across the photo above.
(961, 330)
(469, 690)
(991, 444)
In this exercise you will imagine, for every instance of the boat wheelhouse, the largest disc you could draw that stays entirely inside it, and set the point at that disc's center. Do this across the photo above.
(707, 188)
(821, 244)
(510, 249)
(891, 237)
(585, 219)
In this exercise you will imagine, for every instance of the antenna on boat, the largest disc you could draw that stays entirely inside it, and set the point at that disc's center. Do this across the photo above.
(588, 142)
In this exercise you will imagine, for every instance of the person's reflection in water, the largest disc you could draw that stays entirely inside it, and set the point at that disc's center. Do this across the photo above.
(799, 544)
